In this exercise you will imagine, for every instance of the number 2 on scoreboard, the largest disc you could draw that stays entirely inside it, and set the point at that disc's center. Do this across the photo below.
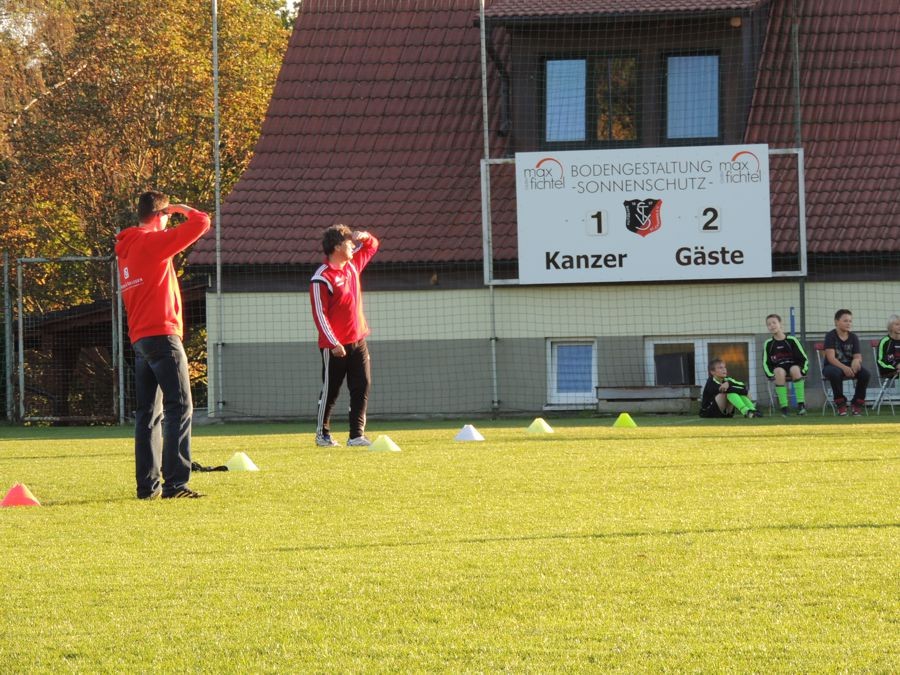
(709, 220)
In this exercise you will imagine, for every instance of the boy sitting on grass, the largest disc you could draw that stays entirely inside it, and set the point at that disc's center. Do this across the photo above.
(722, 395)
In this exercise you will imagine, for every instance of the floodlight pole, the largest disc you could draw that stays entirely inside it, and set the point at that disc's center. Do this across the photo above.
(488, 258)
(218, 193)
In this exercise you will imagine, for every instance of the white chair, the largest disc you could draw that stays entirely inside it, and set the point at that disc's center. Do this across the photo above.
(887, 386)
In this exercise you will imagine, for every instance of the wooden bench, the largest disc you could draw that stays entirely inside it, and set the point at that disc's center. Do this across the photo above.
(663, 398)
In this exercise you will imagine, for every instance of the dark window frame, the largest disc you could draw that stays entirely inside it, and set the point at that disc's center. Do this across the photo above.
(592, 60)
(664, 102)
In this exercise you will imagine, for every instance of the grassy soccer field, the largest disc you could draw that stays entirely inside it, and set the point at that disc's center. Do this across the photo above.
(736, 545)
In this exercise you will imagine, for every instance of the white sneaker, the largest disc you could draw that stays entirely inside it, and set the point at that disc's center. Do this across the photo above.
(359, 440)
(326, 441)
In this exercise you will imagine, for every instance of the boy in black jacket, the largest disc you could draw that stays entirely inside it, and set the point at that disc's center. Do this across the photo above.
(722, 395)
(783, 355)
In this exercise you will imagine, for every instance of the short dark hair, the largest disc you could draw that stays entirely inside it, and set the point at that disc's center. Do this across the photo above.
(334, 236)
(150, 203)
(714, 363)
(841, 312)
(773, 316)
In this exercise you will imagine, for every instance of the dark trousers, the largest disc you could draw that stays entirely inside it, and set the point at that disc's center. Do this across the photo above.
(834, 375)
(162, 424)
(355, 367)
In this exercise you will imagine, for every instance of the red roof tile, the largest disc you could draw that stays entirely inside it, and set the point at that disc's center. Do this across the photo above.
(375, 121)
(850, 94)
(549, 8)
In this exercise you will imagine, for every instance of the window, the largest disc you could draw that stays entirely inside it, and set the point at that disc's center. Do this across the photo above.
(571, 371)
(615, 95)
(692, 97)
(565, 100)
(685, 361)
(591, 99)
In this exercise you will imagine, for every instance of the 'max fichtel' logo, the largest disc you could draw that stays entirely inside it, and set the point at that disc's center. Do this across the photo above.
(742, 168)
(642, 215)
(547, 174)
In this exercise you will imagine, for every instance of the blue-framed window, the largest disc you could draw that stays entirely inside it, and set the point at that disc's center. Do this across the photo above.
(692, 97)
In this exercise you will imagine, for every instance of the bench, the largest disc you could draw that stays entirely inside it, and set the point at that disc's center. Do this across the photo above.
(662, 398)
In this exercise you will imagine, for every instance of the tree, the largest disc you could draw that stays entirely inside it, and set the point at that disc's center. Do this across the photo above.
(102, 99)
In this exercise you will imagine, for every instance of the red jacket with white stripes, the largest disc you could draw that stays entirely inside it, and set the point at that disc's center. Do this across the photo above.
(336, 297)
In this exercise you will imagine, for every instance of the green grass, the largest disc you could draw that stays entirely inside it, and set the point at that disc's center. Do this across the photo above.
(679, 545)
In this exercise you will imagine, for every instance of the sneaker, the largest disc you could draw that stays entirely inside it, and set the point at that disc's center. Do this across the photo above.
(842, 408)
(757, 413)
(184, 493)
(156, 494)
(784, 412)
(801, 409)
(750, 414)
(326, 441)
(855, 409)
(359, 440)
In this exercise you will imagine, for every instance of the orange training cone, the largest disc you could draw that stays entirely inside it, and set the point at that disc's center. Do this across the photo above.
(19, 495)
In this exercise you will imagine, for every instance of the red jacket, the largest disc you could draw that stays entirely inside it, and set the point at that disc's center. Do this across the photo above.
(336, 297)
(147, 277)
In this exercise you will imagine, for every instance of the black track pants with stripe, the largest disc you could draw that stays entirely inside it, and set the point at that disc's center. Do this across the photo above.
(355, 367)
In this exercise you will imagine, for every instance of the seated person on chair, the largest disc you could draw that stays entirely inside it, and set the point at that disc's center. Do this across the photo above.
(889, 349)
(843, 361)
(783, 355)
(722, 395)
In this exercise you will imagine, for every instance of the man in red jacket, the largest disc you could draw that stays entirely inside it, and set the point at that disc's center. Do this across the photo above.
(337, 308)
(162, 425)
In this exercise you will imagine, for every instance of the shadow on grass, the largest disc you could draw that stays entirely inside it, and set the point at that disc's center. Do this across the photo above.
(597, 536)
(70, 456)
(689, 465)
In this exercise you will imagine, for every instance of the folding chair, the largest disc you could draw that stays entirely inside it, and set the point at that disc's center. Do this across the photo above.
(773, 398)
(826, 383)
(887, 390)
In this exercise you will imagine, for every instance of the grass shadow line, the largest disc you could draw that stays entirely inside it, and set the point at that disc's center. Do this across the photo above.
(595, 536)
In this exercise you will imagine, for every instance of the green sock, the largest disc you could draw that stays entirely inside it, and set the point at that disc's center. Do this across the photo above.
(800, 391)
(781, 393)
(748, 404)
(738, 402)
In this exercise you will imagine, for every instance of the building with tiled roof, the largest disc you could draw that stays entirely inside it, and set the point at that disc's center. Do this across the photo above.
(377, 120)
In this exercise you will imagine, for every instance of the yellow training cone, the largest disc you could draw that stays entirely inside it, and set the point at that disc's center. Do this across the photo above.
(539, 426)
(240, 462)
(624, 420)
(384, 443)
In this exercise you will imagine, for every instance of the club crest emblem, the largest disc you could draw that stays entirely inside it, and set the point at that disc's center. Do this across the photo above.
(642, 215)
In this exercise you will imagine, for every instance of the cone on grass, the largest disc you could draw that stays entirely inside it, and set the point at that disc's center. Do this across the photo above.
(539, 426)
(19, 495)
(384, 443)
(624, 421)
(241, 462)
(468, 433)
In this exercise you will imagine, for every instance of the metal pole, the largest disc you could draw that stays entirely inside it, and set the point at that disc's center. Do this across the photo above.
(218, 395)
(120, 344)
(8, 342)
(20, 282)
(795, 73)
(486, 207)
